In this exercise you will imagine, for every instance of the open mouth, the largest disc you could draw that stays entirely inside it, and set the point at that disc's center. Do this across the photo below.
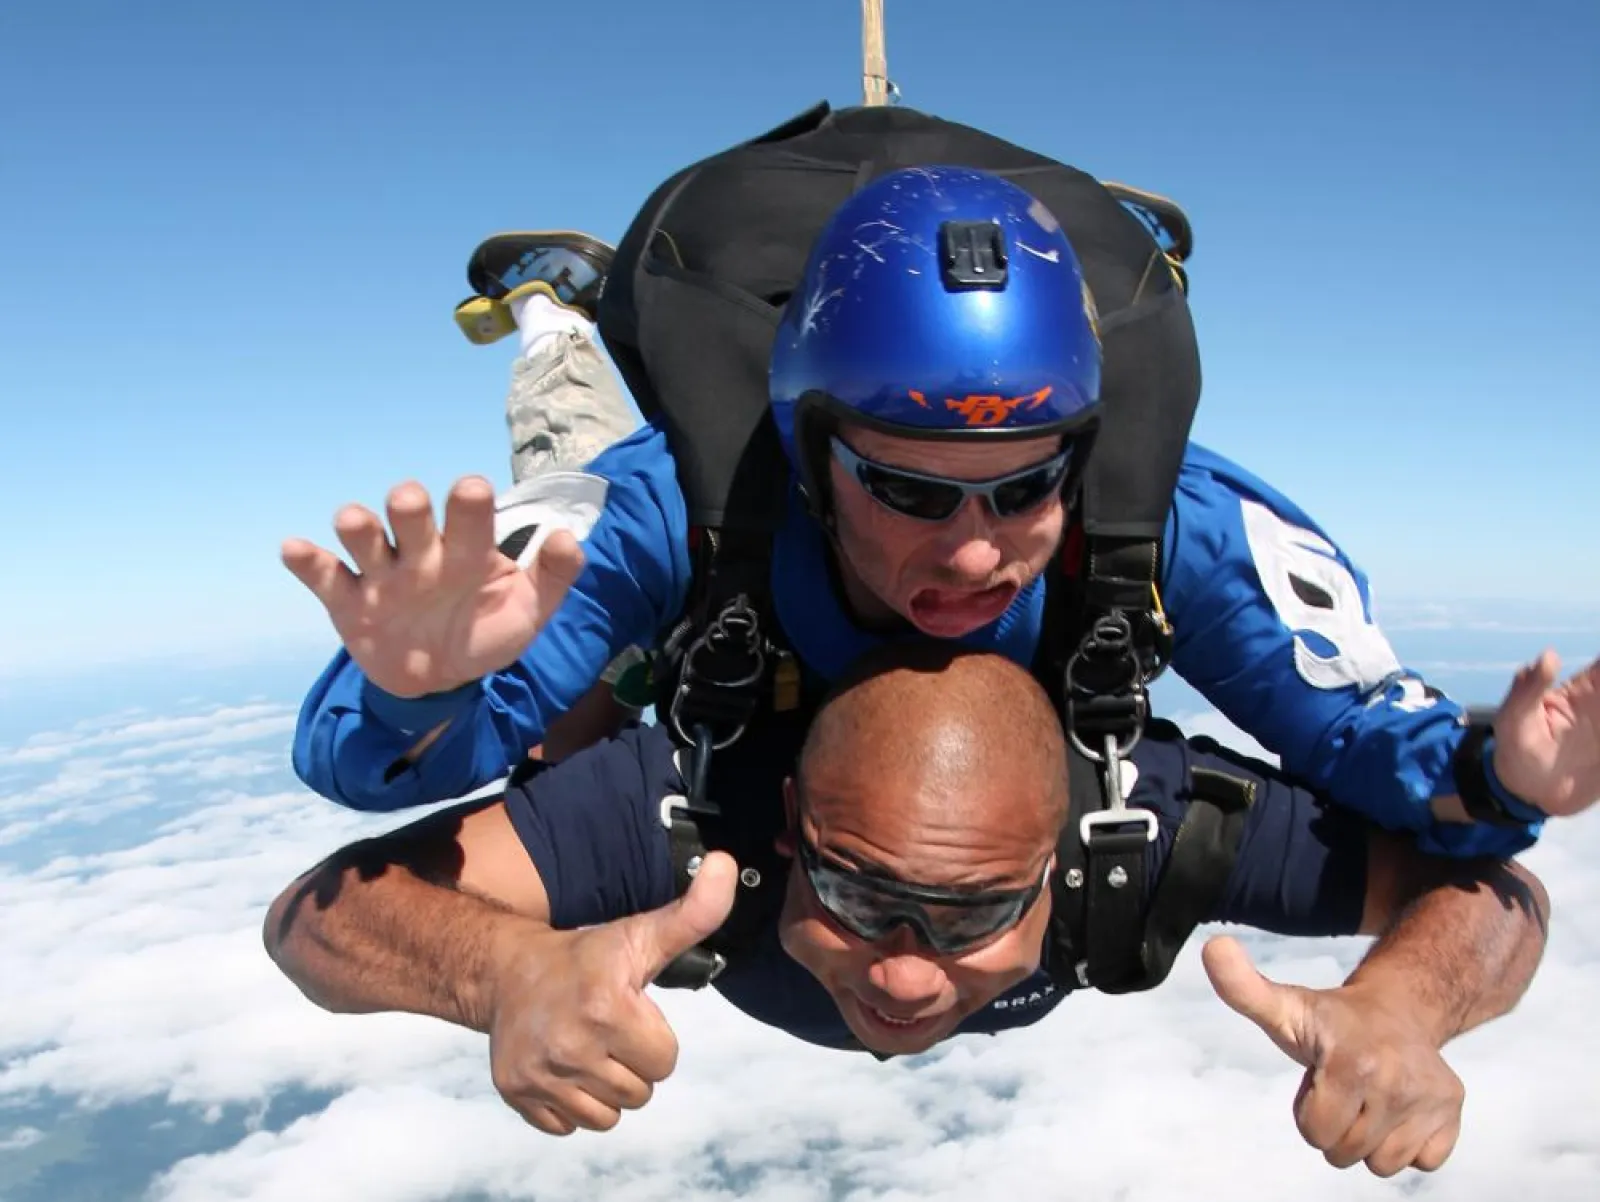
(950, 613)
(890, 1020)
(896, 1025)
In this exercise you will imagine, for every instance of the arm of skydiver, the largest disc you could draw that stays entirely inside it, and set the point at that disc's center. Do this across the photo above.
(1462, 936)
(411, 920)
(1458, 943)
(1273, 626)
(426, 918)
(538, 920)
(369, 750)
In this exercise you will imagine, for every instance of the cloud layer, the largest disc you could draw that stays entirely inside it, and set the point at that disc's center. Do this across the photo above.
(133, 971)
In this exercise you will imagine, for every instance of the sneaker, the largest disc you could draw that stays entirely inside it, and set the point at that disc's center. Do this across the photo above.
(1165, 219)
(567, 266)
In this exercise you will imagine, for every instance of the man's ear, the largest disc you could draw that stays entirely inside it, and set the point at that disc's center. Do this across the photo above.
(784, 843)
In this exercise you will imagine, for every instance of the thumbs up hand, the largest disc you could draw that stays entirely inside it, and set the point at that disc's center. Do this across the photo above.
(573, 1040)
(1376, 1088)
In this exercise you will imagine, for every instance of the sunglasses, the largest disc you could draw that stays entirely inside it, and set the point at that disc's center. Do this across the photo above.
(937, 498)
(947, 921)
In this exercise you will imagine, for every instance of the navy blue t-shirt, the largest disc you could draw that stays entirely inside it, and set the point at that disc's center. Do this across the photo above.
(593, 828)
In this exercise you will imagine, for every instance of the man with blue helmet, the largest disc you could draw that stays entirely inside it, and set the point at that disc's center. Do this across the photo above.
(933, 383)
(942, 349)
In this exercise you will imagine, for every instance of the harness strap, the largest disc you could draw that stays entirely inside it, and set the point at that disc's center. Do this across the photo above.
(1114, 896)
(695, 827)
(1097, 891)
(1102, 934)
(1202, 856)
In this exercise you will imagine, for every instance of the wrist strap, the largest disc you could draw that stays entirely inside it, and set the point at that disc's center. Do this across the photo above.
(1482, 794)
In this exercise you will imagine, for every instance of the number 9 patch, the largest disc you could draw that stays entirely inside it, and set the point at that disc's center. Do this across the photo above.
(1336, 644)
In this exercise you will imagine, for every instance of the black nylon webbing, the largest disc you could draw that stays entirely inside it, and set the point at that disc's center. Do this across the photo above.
(1114, 887)
(1197, 869)
(1121, 572)
(1097, 924)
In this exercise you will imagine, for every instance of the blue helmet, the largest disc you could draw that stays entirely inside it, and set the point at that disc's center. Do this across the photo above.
(938, 302)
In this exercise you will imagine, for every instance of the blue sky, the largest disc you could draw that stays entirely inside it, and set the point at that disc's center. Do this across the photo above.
(231, 236)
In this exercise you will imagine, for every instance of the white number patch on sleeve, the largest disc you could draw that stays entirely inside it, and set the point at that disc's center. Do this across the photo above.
(1314, 592)
(526, 514)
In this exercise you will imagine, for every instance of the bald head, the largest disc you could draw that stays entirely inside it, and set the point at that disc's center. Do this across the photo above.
(940, 736)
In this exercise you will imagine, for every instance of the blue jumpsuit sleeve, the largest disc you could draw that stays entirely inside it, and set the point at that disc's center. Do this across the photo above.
(1273, 626)
(592, 827)
(350, 738)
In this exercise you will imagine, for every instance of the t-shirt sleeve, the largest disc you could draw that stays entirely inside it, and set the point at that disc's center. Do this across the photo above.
(592, 826)
(1301, 867)
(1302, 864)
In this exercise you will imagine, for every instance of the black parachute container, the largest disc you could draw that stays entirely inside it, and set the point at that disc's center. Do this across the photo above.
(693, 300)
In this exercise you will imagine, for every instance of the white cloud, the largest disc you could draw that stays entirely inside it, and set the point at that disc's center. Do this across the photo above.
(152, 738)
(20, 1138)
(138, 973)
(1489, 615)
(97, 773)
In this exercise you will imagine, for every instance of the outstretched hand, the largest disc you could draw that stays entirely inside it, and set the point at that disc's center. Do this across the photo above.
(1547, 737)
(432, 610)
(573, 1040)
(1375, 1089)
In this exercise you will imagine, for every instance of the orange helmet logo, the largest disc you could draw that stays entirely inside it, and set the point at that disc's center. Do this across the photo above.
(988, 409)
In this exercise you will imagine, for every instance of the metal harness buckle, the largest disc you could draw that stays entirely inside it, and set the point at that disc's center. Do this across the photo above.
(736, 630)
(1107, 648)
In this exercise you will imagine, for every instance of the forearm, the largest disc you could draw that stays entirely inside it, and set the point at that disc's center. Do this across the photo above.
(366, 760)
(366, 932)
(1463, 952)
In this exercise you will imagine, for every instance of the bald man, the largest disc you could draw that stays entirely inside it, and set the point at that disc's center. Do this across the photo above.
(900, 886)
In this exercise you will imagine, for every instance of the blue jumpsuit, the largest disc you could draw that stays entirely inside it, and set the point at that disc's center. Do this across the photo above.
(1272, 622)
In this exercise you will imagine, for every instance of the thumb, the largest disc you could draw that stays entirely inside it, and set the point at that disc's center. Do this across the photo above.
(665, 934)
(554, 570)
(1274, 1008)
(559, 561)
